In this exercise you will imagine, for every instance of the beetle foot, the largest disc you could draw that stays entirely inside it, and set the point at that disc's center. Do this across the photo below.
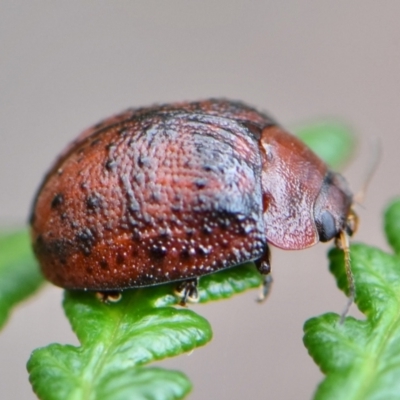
(263, 265)
(187, 292)
(109, 297)
(265, 288)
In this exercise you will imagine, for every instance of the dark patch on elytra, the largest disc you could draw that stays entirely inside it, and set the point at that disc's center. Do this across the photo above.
(93, 202)
(85, 240)
(207, 230)
(75, 224)
(60, 248)
(189, 232)
(187, 252)
(136, 235)
(110, 165)
(132, 221)
(245, 229)
(103, 264)
(224, 223)
(184, 254)
(58, 199)
(200, 183)
(120, 258)
(165, 234)
(134, 252)
(209, 167)
(144, 161)
(39, 245)
(158, 251)
(203, 251)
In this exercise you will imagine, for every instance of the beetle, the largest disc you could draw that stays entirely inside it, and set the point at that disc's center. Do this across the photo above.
(172, 192)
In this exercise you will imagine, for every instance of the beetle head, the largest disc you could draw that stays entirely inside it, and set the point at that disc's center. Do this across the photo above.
(333, 211)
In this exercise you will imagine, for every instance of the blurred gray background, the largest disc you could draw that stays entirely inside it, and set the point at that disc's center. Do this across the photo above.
(65, 65)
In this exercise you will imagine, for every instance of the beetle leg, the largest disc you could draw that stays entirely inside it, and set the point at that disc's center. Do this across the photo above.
(109, 297)
(263, 265)
(187, 291)
(265, 288)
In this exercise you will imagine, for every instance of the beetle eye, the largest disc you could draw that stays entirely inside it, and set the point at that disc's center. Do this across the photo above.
(326, 226)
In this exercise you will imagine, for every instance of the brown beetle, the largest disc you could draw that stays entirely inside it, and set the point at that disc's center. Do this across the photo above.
(174, 192)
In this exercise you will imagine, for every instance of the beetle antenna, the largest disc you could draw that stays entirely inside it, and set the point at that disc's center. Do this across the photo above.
(345, 245)
(376, 148)
(343, 240)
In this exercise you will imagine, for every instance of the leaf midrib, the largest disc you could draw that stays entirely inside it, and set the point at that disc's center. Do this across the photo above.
(89, 387)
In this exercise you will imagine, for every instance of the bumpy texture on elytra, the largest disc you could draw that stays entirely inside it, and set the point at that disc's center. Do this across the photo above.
(173, 192)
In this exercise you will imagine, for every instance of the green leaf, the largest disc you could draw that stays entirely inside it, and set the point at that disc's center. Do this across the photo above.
(361, 358)
(333, 141)
(228, 282)
(119, 339)
(19, 273)
(392, 225)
